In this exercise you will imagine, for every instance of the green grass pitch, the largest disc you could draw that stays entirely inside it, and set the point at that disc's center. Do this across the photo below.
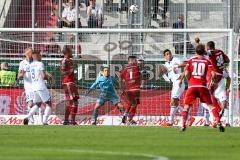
(117, 143)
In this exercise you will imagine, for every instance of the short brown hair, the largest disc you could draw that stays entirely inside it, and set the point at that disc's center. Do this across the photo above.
(165, 51)
(67, 50)
(200, 49)
(36, 53)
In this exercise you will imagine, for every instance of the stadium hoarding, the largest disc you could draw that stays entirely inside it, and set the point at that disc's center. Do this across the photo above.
(110, 120)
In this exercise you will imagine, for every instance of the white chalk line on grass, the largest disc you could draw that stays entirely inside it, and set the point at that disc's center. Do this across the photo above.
(150, 156)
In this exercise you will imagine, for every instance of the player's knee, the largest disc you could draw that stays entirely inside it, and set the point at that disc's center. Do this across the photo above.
(97, 105)
(30, 103)
(174, 102)
(75, 103)
(133, 105)
(68, 102)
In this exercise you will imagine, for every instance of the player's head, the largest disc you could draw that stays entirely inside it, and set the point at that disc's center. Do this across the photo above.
(200, 49)
(92, 2)
(106, 71)
(4, 66)
(36, 56)
(28, 53)
(140, 62)
(67, 52)
(210, 45)
(197, 40)
(71, 3)
(167, 54)
(132, 60)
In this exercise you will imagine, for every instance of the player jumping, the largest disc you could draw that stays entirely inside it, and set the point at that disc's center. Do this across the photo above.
(107, 85)
(69, 87)
(219, 60)
(175, 75)
(196, 73)
(131, 77)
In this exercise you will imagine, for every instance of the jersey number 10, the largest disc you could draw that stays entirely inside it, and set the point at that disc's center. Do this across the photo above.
(198, 69)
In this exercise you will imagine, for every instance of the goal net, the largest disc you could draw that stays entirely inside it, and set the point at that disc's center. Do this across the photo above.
(94, 48)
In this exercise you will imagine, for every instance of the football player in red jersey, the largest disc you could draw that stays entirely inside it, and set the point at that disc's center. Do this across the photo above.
(131, 77)
(219, 60)
(196, 73)
(69, 87)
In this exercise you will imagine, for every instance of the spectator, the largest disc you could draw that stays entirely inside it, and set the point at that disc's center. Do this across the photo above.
(69, 16)
(94, 13)
(7, 78)
(86, 3)
(155, 4)
(124, 5)
(165, 9)
(178, 38)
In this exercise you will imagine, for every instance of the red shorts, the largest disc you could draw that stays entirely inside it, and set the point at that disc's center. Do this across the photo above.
(133, 97)
(71, 91)
(197, 92)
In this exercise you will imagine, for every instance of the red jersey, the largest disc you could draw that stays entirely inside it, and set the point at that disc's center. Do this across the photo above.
(131, 75)
(66, 66)
(218, 59)
(198, 68)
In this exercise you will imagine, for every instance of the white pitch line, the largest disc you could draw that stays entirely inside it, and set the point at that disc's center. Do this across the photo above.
(150, 156)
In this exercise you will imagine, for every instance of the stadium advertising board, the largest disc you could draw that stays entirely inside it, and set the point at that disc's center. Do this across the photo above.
(109, 120)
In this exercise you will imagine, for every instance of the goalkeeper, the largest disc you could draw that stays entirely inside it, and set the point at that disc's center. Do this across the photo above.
(107, 85)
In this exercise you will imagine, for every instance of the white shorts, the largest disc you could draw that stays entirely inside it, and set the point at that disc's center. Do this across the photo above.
(176, 90)
(29, 95)
(41, 96)
(220, 91)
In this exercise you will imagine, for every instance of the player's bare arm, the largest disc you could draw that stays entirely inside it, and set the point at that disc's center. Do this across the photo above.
(187, 74)
(21, 74)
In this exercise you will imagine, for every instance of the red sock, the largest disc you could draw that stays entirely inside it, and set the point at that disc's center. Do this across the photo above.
(73, 112)
(216, 104)
(67, 113)
(216, 114)
(184, 117)
(132, 113)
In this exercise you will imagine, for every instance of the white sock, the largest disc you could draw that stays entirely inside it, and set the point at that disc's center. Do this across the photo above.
(32, 111)
(47, 113)
(206, 115)
(40, 115)
(226, 113)
(204, 105)
(180, 109)
(30, 118)
(172, 113)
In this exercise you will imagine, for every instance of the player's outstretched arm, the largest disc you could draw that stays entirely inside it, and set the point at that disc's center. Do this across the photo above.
(21, 74)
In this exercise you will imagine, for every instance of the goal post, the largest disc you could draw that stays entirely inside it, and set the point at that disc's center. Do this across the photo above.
(111, 46)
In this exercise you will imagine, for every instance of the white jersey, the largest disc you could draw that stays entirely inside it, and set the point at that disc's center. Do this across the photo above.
(170, 65)
(36, 70)
(24, 65)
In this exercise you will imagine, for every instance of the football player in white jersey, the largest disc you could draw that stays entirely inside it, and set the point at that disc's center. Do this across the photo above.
(40, 91)
(173, 72)
(25, 64)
